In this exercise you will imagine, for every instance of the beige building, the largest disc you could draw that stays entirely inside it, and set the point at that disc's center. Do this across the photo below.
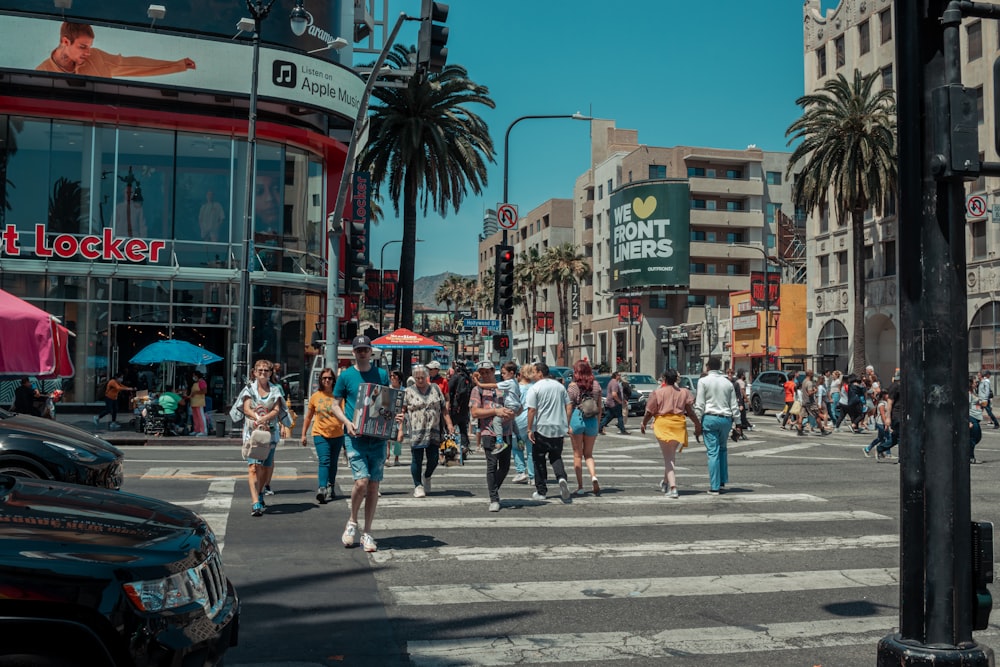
(859, 34)
(735, 199)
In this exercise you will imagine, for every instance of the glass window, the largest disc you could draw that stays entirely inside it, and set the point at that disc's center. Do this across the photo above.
(821, 62)
(977, 229)
(832, 340)
(889, 258)
(610, 186)
(864, 38)
(734, 206)
(711, 204)
(696, 267)
(696, 300)
(27, 154)
(887, 77)
(772, 210)
(774, 178)
(696, 171)
(838, 49)
(145, 189)
(698, 203)
(203, 199)
(980, 114)
(869, 262)
(824, 270)
(885, 25)
(735, 237)
(734, 174)
(697, 235)
(974, 38)
(842, 267)
(600, 192)
(657, 171)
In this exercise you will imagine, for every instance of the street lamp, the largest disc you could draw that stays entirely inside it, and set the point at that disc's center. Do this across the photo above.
(767, 299)
(242, 343)
(506, 146)
(381, 281)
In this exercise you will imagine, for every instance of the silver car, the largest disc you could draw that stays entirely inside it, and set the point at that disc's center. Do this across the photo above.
(767, 391)
(642, 386)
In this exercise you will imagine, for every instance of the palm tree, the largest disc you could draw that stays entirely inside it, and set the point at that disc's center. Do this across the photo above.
(450, 291)
(527, 280)
(565, 267)
(848, 157)
(425, 137)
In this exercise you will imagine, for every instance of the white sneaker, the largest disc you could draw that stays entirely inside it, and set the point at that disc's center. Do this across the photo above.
(494, 507)
(673, 493)
(537, 496)
(499, 447)
(521, 478)
(427, 483)
(564, 489)
(350, 536)
(368, 542)
(419, 492)
(663, 486)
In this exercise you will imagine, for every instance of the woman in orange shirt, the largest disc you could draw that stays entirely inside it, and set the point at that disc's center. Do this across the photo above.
(111, 391)
(328, 434)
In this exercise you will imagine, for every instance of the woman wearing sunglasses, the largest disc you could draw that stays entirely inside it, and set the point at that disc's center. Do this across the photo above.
(263, 406)
(328, 434)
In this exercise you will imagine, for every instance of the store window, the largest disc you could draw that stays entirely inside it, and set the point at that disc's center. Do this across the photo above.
(832, 342)
(984, 337)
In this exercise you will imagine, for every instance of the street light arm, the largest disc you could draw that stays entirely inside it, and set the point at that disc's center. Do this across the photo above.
(506, 138)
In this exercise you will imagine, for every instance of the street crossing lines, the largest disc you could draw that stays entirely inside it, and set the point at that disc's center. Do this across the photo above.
(217, 471)
(645, 549)
(215, 507)
(431, 523)
(654, 587)
(443, 502)
(614, 647)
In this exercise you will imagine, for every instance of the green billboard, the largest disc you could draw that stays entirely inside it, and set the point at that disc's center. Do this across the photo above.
(650, 235)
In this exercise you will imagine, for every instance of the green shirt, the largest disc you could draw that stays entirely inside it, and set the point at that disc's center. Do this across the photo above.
(169, 401)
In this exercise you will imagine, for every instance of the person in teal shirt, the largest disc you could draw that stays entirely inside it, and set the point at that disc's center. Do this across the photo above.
(170, 401)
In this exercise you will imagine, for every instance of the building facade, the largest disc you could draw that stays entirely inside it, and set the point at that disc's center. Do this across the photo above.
(124, 193)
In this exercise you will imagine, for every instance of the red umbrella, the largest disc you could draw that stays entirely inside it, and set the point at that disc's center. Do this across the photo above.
(404, 339)
(33, 342)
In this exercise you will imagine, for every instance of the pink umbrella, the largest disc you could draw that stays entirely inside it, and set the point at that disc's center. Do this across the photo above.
(33, 342)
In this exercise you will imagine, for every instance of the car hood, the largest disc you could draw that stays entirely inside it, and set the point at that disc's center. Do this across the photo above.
(91, 527)
(47, 429)
(645, 387)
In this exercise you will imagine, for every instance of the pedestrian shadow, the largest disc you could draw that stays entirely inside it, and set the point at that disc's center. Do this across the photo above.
(410, 542)
(290, 508)
(857, 608)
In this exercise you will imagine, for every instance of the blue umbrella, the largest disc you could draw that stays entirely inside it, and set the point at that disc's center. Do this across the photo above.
(175, 350)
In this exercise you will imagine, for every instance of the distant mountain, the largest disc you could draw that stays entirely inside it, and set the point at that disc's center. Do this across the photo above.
(425, 287)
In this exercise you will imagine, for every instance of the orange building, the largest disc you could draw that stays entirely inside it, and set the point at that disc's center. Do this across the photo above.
(785, 331)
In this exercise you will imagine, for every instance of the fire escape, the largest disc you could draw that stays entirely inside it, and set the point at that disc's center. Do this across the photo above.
(791, 247)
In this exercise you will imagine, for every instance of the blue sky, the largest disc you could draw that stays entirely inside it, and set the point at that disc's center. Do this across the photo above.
(722, 74)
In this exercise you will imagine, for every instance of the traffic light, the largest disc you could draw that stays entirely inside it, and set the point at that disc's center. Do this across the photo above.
(356, 261)
(503, 302)
(501, 343)
(431, 50)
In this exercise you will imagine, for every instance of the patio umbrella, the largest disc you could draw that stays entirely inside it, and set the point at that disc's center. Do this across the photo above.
(404, 339)
(178, 351)
(33, 342)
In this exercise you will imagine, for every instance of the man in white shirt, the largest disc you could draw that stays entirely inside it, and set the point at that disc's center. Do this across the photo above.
(716, 407)
(549, 409)
(986, 394)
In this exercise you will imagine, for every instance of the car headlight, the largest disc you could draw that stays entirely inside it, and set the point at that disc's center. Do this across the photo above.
(202, 585)
(76, 453)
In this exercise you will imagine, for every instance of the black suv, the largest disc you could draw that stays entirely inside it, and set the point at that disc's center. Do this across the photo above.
(99, 577)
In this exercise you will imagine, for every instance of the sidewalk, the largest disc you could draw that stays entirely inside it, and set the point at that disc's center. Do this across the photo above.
(127, 436)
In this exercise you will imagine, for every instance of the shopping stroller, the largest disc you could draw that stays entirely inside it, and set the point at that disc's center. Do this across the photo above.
(157, 422)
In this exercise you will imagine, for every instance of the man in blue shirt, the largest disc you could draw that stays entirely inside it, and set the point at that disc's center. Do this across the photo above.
(366, 454)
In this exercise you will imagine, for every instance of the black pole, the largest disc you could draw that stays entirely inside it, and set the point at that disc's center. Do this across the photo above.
(935, 569)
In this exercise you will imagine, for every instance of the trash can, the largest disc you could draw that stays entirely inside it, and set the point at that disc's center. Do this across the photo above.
(221, 421)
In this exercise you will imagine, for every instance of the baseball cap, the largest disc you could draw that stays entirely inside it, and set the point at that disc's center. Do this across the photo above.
(485, 364)
(434, 364)
(361, 341)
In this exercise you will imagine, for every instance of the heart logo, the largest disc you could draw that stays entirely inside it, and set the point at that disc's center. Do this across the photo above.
(643, 208)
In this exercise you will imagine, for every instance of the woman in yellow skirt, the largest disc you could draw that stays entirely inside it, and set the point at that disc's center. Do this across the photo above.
(669, 405)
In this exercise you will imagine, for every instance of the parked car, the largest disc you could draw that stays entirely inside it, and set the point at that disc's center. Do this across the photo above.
(294, 381)
(642, 386)
(98, 577)
(690, 382)
(563, 374)
(636, 405)
(47, 450)
(767, 391)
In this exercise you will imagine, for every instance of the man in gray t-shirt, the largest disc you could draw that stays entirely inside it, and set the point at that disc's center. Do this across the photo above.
(549, 408)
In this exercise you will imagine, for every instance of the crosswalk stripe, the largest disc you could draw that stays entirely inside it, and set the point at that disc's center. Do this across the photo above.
(214, 472)
(556, 521)
(645, 549)
(653, 587)
(657, 498)
(215, 507)
(609, 647)
(777, 450)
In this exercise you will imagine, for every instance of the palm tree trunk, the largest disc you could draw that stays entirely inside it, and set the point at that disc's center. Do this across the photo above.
(858, 258)
(407, 260)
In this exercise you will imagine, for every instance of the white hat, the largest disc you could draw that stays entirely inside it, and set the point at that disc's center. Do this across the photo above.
(434, 364)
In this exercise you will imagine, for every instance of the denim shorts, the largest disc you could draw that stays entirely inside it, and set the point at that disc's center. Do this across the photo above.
(582, 425)
(269, 461)
(367, 457)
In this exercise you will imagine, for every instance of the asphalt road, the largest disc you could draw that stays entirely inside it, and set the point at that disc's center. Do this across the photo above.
(795, 565)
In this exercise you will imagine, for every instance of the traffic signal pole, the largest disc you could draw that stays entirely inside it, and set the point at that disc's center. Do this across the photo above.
(936, 572)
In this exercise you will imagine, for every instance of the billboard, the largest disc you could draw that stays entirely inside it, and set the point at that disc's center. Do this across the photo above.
(218, 67)
(650, 235)
(771, 299)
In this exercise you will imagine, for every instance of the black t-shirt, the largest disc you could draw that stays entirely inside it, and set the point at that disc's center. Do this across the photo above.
(896, 396)
(24, 399)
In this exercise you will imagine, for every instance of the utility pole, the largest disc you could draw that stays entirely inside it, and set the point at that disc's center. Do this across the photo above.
(938, 151)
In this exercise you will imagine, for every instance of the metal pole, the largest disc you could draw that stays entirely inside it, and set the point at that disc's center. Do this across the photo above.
(337, 227)
(381, 283)
(244, 314)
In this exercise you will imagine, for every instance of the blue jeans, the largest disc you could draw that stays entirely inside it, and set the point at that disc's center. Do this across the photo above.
(882, 441)
(833, 406)
(417, 460)
(975, 435)
(328, 453)
(715, 431)
(613, 412)
(522, 457)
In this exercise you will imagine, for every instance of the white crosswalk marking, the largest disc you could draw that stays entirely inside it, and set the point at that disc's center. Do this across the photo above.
(215, 506)
(545, 568)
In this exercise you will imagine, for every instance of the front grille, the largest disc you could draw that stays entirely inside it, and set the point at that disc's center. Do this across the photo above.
(215, 584)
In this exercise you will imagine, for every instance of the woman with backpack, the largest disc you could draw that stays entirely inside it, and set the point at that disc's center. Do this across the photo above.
(585, 395)
(669, 406)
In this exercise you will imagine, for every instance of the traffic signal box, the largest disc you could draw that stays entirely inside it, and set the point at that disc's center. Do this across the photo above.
(356, 260)
(431, 50)
(503, 294)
